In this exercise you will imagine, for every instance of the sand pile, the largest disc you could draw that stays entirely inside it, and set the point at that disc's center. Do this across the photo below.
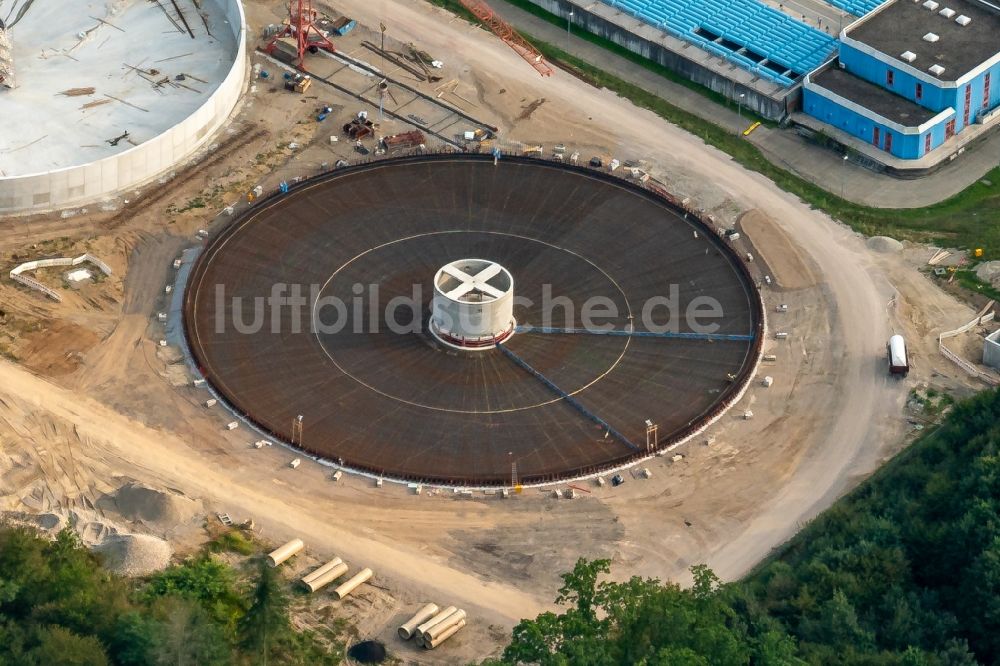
(138, 502)
(134, 554)
(989, 272)
(884, 244)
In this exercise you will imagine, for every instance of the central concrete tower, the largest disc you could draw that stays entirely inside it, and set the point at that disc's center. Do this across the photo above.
(473, 305)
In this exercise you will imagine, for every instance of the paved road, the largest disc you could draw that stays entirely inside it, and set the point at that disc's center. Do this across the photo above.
(823, 167)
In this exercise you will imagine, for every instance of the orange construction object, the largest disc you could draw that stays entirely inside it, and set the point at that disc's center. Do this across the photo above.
(504, 31)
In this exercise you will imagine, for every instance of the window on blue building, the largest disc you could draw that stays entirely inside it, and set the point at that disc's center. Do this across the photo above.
(890, 77)
(919, 93)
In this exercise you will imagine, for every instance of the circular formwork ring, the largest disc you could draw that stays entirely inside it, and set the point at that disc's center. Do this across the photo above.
(730, 395)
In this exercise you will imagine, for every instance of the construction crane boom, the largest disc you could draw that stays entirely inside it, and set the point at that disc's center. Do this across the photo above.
(504, 31)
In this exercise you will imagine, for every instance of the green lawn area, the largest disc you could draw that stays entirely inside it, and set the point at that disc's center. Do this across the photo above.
(967, 220)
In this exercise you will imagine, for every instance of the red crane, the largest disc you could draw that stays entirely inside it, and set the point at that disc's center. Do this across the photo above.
(302, 25)
(504, 31)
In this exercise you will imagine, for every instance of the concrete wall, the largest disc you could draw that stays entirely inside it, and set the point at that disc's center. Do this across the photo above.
(83, 184)
(768, 107)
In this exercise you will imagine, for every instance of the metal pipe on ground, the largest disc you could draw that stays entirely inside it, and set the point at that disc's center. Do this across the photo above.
(315, 573)
(443, 615)
(282, 553)
(407, 628)
(435, 632)
(451, 631)
(349, 586)
(327, 577)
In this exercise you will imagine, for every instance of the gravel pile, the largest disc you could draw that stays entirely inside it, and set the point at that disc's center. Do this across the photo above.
(143, 503)
(884, 244)
(134, 554)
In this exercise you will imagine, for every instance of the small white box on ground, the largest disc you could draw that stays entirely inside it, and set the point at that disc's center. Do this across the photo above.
(232, 425)
(766, 382)
(211, 402)
(295, 463)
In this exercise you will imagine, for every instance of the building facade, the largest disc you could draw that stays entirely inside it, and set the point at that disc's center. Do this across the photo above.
(912, 76)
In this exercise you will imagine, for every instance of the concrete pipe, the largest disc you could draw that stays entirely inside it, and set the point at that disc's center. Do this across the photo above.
(281, 554)
(427, 612)
(451, 631)
(326, 578)
(351, 584)
(443, 626)
(421, 628)
(316, 573)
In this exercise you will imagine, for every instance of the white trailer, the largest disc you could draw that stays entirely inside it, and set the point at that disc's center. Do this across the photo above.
(899, 362)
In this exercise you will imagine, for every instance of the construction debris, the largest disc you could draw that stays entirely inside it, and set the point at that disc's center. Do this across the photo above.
(6, 58)
(114, 141)
(78, 92)
(404, 141)
(297, 82)
(360, 127)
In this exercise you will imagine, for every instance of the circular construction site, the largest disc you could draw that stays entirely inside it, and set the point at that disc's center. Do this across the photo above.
(105, 96)
(446, 320)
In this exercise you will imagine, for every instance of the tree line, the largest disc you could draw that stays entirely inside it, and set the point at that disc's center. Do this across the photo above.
(903, 571)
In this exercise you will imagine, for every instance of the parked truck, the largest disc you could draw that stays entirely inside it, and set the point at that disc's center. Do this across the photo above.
(899, 363)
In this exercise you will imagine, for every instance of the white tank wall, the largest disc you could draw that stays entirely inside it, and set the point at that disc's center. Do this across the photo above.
(471, 319)
(84, 184)
(991, 350)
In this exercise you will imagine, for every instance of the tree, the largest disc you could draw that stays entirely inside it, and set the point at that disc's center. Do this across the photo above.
(58, 646)
(189, 637)
(266, 619)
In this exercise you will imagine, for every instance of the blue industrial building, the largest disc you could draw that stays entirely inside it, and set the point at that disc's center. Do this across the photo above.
(912, 76)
